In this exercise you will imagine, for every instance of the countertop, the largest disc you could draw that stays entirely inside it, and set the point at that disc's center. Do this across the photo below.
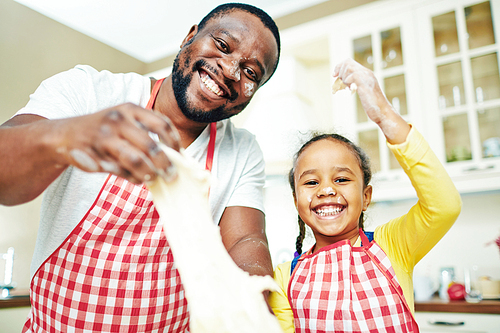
(19, 298)
(438, 305)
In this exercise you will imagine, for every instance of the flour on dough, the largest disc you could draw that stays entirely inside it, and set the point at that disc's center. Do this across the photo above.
(338, 84)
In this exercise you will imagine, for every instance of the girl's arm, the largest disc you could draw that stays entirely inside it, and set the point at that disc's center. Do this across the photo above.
(278, 300)
(373, 99)
(412, 235)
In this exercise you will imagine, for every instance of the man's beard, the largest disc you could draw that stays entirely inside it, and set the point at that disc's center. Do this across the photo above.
(180, 84)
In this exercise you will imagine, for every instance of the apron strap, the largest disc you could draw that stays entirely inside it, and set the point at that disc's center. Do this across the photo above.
(364, 239)
(211, 146)
(154, 93)
(213, 126)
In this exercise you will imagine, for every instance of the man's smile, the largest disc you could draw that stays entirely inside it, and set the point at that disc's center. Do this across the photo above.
(211, 84)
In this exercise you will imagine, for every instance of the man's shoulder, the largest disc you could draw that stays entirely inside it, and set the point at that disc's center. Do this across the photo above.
(109, 75)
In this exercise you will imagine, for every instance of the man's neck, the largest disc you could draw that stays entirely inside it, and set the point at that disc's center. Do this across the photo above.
(166, 104)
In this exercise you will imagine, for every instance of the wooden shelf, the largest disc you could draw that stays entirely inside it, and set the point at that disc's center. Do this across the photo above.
(19, 299)
(438, 305)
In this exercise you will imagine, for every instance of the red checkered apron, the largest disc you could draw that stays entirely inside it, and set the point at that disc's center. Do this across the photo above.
(348, 289)
(115, 271)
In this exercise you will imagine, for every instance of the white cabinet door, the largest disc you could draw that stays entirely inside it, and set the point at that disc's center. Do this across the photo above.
(460, 78)
(457, 322)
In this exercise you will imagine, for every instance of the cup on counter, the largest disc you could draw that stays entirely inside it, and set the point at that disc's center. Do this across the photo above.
(490, 289)
(423, 288)
(473, 293)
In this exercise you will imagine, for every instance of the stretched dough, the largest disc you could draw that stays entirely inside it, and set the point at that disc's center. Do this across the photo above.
(338, 84)
(222, 298)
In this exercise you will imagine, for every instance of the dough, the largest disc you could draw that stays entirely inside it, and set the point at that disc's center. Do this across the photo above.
(338, 84)
(222, 298)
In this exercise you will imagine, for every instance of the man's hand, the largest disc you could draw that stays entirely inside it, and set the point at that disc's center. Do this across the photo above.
(34, 151)
(117, 140)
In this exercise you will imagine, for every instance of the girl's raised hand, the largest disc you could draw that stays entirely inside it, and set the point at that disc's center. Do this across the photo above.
(374, 102)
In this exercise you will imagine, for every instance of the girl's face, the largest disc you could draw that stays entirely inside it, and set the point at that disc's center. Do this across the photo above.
(329, 191)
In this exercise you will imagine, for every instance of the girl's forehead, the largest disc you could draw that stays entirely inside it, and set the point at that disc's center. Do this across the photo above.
(326, 152)
(326, 146)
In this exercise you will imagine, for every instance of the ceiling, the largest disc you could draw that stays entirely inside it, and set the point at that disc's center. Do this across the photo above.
(147, 30)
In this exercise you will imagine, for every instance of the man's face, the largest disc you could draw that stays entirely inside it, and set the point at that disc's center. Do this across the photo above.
(218, 70)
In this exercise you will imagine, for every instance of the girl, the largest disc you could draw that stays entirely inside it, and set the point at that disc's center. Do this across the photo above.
(352, 281)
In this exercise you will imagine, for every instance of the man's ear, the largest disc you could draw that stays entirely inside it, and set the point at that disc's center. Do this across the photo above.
(367, 197)
(192, 32)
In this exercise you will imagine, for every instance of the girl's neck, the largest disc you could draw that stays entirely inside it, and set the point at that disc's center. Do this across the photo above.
(323, 241)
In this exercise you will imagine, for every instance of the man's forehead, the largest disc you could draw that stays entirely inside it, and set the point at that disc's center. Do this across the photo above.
(233, 18)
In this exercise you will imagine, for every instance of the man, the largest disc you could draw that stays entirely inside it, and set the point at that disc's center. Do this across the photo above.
(101, 262)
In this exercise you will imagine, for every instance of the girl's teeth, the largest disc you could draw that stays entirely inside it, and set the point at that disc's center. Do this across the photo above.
(329, 211)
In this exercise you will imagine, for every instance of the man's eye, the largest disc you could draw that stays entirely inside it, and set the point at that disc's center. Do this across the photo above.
(222, 45)
(251, 74)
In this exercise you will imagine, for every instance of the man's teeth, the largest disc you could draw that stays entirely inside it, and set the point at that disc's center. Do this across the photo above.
(212, 86)
(328, 211)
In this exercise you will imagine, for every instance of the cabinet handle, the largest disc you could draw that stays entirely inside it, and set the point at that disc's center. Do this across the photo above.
(446, 323)
(479, 168)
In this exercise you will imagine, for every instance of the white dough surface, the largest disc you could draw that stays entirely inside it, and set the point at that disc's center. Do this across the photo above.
(222, 298)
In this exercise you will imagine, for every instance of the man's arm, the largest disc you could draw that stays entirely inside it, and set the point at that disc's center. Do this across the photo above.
(243, 232)
(25, 155)
(34, 151)
(244, 236)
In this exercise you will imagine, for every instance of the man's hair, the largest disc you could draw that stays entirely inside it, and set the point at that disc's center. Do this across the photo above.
(262, 15)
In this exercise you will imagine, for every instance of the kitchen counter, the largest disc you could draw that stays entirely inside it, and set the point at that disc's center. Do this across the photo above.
(438, 305)
(19, 298)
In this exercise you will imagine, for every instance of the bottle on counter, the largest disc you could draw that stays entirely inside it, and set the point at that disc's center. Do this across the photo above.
(447, 276)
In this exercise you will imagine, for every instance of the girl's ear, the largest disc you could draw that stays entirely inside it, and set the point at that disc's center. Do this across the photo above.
(367, 197)
(192, 32)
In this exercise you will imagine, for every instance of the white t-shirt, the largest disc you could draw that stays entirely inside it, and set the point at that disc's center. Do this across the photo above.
(237, 172)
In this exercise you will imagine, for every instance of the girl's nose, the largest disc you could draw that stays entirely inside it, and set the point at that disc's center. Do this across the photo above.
(327, 191)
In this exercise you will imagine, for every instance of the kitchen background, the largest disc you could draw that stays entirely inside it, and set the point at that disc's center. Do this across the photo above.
(437, 60)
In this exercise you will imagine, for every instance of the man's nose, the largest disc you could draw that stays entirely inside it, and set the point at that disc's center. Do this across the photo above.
(230, 68)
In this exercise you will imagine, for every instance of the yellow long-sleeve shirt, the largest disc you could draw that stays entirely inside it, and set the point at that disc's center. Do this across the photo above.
(405, 239)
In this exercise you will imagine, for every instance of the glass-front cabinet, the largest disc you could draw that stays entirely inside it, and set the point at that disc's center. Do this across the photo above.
(461, 67)
(438, 64)
(466, 62)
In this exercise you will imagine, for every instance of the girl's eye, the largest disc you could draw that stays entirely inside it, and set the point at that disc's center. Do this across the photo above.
(341, 180)
(311, 182)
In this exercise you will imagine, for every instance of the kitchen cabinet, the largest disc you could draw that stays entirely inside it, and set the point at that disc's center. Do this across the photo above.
(438, 64)
(437, 315)
(434, 322)
(437, 61)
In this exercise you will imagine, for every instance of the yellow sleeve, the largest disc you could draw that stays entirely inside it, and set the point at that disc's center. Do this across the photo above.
(279, 300)
(408, 238)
